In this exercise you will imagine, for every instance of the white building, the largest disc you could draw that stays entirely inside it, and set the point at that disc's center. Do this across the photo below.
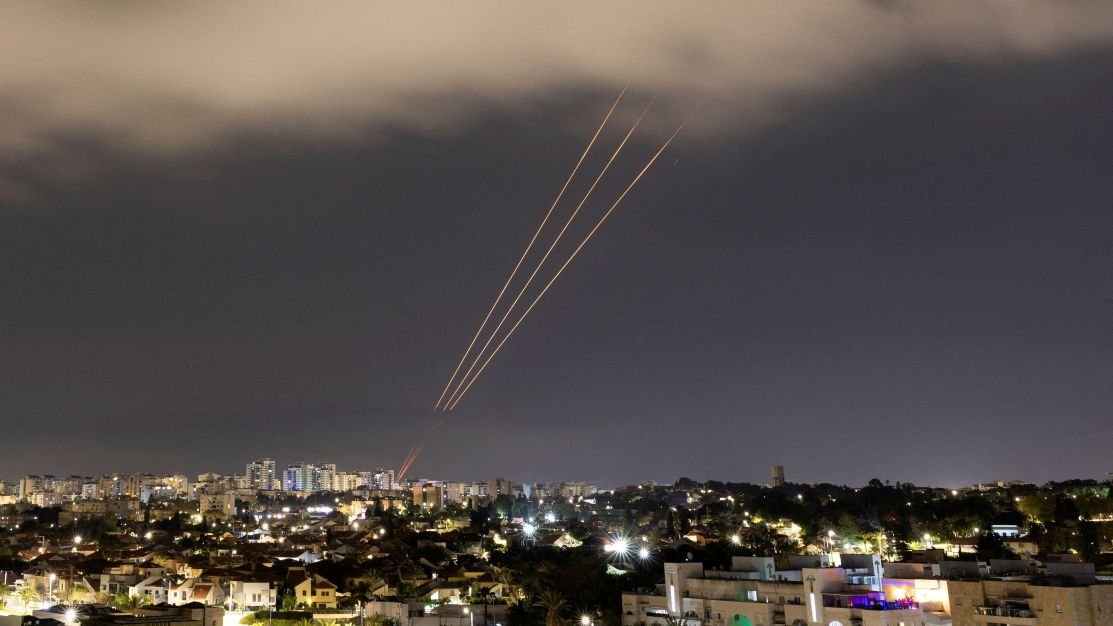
(260, 474)
(754, 593)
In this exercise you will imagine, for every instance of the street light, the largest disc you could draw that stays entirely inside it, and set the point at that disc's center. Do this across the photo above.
(585, 620)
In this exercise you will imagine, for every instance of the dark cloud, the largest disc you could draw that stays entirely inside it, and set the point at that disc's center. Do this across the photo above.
(155, 77)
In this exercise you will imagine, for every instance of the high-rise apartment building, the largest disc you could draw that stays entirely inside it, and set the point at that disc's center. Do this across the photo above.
(429, 495)
(383, 479)
(260, 474)
(308, 477)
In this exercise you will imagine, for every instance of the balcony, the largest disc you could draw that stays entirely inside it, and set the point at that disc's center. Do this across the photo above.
(1004, 615)
(868, 602)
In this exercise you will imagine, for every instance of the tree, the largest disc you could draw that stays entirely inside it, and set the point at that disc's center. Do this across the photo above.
(80, 595)
(129, 603)
(990, 546)
(554, 604)
(364, 589)
(29, 594)
(289, 602)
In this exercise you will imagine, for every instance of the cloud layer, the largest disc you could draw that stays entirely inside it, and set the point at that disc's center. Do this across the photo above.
(164, 77)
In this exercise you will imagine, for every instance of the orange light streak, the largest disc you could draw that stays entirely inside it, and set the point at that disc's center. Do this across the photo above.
(458, 397)
(529, 246)
(552, 246)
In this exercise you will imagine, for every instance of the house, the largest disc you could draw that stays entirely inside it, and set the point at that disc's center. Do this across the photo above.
(251, 594)
(195, 590)
(154, 588)
(311, 590)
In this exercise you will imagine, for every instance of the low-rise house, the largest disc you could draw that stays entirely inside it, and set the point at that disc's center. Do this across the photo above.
(247, 593)
(155, 588)
(196, 590)
(311, 590)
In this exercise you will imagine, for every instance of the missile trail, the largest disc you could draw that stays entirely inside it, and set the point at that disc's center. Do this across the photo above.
(529, 246)
(414, 453)
(452, 404)
(552, 246)
(406, 462)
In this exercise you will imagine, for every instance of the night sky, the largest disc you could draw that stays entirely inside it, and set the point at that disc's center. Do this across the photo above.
(883, 248)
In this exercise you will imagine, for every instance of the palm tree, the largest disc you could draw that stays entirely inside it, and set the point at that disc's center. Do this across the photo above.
(29, 595)
(129, 603)
(289, 602)
(554, 604)
(80, 595)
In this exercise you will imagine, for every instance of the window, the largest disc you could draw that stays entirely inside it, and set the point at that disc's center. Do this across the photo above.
(1058, 608)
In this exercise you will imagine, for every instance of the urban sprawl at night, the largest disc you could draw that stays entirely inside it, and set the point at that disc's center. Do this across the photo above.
(314, 543)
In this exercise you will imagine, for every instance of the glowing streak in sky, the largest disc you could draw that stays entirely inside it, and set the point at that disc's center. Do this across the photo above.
(552, 280)
(552, 246)
(529, 246)
(406, 463)
(410, 458)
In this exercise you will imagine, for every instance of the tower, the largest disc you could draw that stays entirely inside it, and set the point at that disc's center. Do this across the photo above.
(778, 475)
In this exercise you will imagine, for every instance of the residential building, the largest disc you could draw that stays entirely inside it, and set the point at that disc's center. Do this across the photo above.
(221, 505)
(428, 495)
(311, 590)
(498, 487)
(195, 590)
(308, 477)
(260, 474)
(755, 593)
(250, 594)
(1020, 592)
(383, 479)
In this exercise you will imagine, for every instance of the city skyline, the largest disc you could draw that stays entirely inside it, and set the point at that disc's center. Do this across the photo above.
(868, 255)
